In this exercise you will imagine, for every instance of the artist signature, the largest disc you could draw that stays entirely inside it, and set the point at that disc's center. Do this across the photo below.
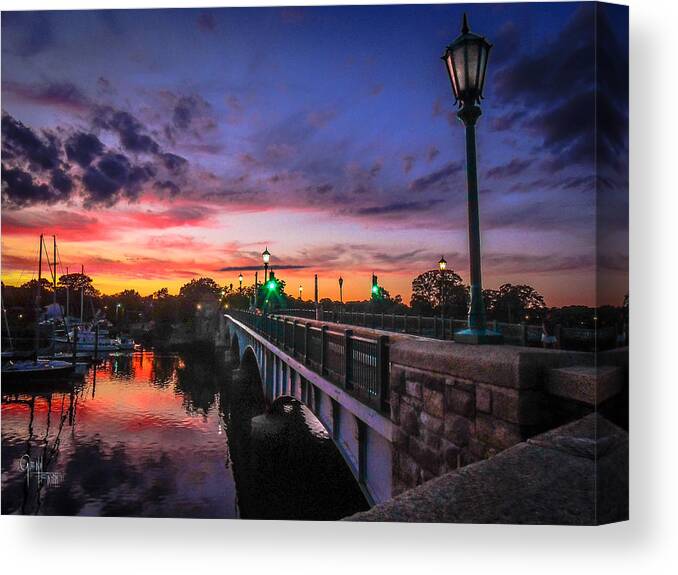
(35, 472)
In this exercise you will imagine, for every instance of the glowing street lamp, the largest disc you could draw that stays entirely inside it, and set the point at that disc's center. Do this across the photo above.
(466, 63)
(266, 256)
(301, 289)
(442, 265)
(240, 278)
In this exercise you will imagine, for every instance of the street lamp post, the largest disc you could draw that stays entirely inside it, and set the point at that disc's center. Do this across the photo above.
(341, 297)
(466, 63)
(301, 289)
(240, 278)
(266, 256)
(442, 265)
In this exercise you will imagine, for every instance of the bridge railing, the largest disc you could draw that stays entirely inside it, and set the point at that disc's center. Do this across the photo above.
(355, 363)
(444, 328)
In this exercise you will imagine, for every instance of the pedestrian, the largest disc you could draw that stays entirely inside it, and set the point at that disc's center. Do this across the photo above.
(548, 332)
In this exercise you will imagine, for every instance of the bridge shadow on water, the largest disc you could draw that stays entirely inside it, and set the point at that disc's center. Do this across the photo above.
(285, 464)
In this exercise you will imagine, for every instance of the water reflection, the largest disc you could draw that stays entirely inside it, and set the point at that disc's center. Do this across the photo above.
(169, 435)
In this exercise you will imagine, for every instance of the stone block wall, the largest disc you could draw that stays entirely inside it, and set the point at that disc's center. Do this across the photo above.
(455, 404)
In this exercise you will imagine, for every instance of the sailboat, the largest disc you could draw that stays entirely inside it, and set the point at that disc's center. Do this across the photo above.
(35, 370)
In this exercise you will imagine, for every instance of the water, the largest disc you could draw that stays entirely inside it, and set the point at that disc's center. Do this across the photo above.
(169, 435)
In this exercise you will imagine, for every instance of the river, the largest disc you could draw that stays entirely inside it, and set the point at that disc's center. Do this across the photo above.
(160, 434)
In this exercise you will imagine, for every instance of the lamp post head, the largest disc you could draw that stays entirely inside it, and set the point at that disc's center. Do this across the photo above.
(466, 63)
(240, 278)
(266, 256)
(442, 264)
(341, 281)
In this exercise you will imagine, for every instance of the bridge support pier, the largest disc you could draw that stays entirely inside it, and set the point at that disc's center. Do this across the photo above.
(362, 435)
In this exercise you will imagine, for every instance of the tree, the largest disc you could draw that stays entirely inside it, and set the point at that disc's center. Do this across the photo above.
(74, 282)
(199, 289)
(513, 302)
(431, 288)
(161, 294)
(32, 286)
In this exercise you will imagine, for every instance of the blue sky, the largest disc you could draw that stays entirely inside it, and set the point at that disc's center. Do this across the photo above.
(327, 133)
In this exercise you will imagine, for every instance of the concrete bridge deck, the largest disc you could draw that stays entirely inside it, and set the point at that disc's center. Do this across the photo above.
(403, 409)
(574, 475)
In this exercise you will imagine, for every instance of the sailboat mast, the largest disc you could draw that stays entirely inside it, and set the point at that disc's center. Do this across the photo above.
(38, 295)
(68, 297)
(54, 296)
(82, 293)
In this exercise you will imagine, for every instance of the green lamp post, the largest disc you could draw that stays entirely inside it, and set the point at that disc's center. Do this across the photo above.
(466, 63)
(266, 256)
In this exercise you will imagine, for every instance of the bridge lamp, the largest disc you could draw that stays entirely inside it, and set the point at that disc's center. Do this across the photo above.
(301, 289)
(266, 257)
(466, 64)
(240, 278)
(442, 264)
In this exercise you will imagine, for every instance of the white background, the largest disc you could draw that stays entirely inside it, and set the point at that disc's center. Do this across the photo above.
(646, 544)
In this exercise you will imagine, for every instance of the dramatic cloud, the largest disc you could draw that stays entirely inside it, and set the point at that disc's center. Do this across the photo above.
(20, 189)
(21, 143)
(82, 148)
(128, 128)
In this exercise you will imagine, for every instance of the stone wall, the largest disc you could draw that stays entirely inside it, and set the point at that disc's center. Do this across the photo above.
(455, 404)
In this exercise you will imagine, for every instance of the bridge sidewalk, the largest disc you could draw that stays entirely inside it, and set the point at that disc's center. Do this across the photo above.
(573, 475)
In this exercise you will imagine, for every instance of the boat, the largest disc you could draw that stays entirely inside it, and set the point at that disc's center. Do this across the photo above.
(90, 340)
(126, 343)
(40, 369)
(36, 370)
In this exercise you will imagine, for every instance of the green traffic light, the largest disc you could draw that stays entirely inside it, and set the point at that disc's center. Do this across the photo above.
(375, 289)
(271, 285)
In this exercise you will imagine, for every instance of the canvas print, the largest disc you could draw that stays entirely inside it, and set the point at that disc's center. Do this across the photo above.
(363, 263)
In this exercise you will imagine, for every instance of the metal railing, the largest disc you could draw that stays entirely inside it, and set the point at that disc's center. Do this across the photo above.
(444, 328)
(358, 364)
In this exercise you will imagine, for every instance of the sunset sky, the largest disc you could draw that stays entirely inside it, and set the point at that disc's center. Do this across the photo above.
(160, 146)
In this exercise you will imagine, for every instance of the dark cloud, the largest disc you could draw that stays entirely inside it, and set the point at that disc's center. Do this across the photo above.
(112, 177)
(567, 96)
(506, 121)
(436, 179)
(56, 94)
(83, 148)
(175, 164)
(20, 143)
(20, 189)
(397, 208)
(184, 110)
(128, 128)
(505, 43)
(62, 182)
(565, 64)
(167, 186)
(321, 189)
(513, 168)
(408, 163)
(432, 153)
